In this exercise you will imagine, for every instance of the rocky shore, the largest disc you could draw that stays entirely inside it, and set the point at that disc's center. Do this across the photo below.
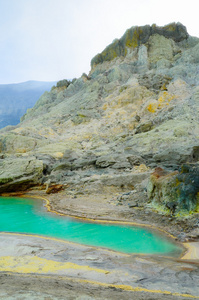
(121, 143)
(135, 114)
(28, 264)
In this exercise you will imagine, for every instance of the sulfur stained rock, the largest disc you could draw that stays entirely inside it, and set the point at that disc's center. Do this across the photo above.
(176, 191)
(53, 188)
(137, 109)
(188, 187)
(161, 186)
(137, 36)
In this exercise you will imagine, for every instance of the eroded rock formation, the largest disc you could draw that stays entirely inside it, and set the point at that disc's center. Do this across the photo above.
(137, 109)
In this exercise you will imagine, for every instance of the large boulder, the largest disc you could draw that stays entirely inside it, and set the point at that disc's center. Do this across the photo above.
(19, 173)
(176, 191)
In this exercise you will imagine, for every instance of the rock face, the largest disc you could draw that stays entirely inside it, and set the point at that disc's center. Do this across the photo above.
(19, 173)
(137, 109)
(137, 36)
(176, 191)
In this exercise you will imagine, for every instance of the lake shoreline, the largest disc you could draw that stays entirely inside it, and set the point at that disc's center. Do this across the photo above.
(35, 259)
(90, 271)
(106, 211)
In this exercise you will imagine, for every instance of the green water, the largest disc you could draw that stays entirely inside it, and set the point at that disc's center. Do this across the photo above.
(30, 216)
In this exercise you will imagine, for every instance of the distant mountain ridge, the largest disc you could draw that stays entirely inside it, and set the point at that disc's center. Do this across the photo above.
(16, 98)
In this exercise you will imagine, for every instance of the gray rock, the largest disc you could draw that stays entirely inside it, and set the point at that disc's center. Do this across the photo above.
(70, 155)
(137, 36)
(175, 191)
(135, 160)
(105, 161)
(122, 180)
(62, 166)
(84, 162)
(48, 162)
(160, 48)
(138, 108)
(19, 173)
(144, 127)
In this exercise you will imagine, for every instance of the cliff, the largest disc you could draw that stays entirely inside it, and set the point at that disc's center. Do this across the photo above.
(137, 36)
(137, 110)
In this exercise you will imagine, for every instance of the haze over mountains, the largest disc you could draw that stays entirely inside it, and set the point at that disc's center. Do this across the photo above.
(15, 99)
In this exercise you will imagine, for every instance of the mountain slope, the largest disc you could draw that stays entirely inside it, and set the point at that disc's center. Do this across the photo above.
(137, 112)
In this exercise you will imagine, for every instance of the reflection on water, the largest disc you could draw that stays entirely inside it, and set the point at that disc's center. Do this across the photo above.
(30, 216)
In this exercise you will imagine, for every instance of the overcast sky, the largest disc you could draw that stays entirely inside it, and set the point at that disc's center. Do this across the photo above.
(50, 40)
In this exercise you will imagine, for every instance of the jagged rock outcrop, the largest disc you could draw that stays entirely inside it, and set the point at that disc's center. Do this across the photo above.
(158, 37)
(175, 191)
(137, 107)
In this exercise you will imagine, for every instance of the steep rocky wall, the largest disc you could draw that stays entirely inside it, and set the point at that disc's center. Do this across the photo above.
(176, 191)
(137, 36)
(112, 127)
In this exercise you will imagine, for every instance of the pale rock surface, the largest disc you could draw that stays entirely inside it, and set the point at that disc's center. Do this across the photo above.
(20, 173)
(140, 99)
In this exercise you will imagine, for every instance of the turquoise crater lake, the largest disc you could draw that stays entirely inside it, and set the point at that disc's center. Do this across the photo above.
(29, 216)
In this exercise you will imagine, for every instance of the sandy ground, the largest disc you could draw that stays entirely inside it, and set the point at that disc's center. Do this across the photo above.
(18, 287)
(192, 251)
(33, 267)
(89, 271)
